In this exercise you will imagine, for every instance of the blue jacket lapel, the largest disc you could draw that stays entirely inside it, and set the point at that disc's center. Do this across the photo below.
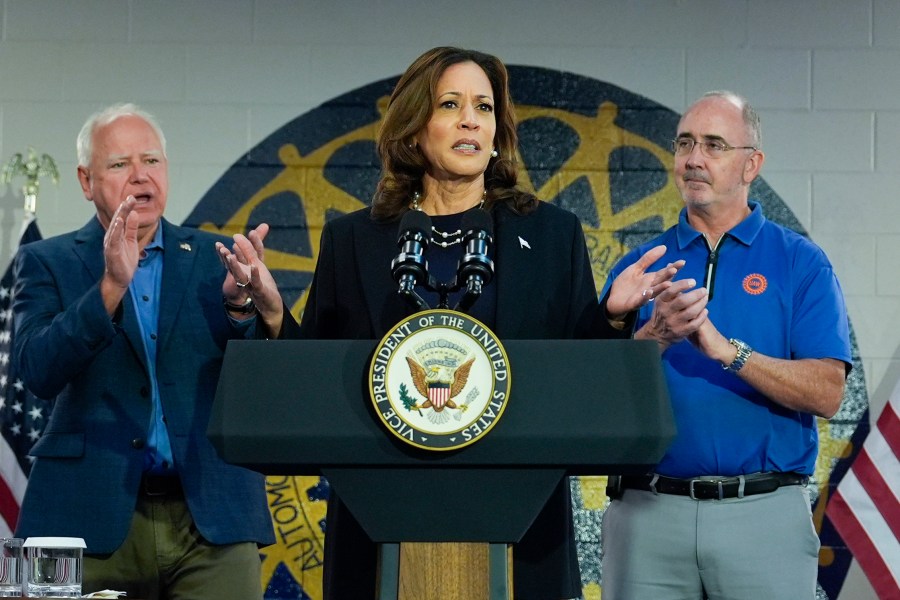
(178, 264)
(89, 248)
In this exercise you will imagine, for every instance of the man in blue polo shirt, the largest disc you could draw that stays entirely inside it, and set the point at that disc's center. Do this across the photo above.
(754, 339)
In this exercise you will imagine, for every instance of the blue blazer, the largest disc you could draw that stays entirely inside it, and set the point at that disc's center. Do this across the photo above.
(85, 480)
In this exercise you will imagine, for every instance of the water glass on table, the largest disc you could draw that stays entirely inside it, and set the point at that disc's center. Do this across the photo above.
(53, 567)
(11, 568)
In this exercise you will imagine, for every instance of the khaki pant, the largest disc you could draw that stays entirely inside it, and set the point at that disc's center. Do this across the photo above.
(165, 558)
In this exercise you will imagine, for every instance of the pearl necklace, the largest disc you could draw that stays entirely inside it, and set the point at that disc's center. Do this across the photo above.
(444, 235)
(456, 235)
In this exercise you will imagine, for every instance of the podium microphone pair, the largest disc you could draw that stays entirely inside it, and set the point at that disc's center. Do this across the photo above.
(475, 269)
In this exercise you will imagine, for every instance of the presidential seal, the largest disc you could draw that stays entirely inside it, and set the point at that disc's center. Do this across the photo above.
(439, 380)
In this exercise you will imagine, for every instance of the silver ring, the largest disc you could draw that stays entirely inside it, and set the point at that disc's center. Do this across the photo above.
(242, 285)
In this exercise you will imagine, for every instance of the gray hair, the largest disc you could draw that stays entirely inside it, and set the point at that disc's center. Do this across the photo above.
(85, 141)
(750, 116)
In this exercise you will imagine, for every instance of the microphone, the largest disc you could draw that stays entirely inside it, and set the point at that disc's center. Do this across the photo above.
(476, 269)
(409, 267)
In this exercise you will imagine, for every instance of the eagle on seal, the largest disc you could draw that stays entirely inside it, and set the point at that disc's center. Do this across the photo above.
(439, 384)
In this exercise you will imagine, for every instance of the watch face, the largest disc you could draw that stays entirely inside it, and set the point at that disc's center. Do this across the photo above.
(743, 353)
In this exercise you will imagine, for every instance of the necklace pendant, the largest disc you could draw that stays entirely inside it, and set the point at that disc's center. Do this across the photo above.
(446, 244)
(446, 234)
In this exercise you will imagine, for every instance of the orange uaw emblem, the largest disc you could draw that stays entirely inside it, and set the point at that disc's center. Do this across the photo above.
(755, 284)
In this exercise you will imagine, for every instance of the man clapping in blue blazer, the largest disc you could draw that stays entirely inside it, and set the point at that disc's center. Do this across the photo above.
(124, 322)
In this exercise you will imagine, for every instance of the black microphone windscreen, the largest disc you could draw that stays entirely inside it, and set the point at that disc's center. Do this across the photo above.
(478, 219)
(416, 221)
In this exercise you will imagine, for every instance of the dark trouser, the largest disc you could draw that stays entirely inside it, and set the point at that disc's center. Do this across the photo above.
(545, 561)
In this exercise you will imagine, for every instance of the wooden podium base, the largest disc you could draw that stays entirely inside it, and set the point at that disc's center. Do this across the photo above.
(445, 571)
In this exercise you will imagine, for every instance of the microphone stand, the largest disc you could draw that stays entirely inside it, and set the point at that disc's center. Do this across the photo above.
(472, 294)
(475, 269)
(444, 290)
(414, 299)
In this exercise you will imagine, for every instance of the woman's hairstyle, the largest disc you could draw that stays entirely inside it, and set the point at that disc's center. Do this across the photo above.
(409, 110)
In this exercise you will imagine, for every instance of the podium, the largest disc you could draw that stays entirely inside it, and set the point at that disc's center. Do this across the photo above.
(576, 407)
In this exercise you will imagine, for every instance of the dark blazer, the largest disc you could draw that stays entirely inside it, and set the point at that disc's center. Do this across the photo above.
(544, 290)
(544, 283)
(85, 480)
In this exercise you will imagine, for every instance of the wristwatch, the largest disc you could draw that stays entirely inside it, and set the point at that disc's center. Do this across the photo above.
(245, 308)
(743, 353)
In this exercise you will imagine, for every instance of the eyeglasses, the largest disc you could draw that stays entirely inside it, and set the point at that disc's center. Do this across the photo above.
(713, 149)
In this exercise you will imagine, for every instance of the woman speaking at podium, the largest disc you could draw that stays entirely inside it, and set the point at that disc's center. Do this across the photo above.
(447, 145)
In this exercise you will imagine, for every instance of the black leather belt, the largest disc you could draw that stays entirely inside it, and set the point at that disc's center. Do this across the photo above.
(160, 485)
(713, 489)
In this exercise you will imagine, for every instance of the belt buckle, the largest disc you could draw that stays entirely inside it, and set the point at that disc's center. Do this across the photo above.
(691, 489)
(718, 482)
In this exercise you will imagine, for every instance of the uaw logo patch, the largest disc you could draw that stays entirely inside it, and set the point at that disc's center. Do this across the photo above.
(440, 380)
(755, 284)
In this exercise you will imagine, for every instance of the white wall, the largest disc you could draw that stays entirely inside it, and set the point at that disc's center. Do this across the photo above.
(223, 74)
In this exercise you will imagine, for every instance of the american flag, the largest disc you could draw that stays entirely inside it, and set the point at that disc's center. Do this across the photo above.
(865, 508)
(22, 416)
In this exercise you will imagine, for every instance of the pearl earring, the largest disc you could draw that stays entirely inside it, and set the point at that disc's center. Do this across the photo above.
(494, 153)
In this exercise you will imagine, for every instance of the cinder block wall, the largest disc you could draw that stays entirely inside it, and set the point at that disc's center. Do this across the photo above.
(223, 74)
